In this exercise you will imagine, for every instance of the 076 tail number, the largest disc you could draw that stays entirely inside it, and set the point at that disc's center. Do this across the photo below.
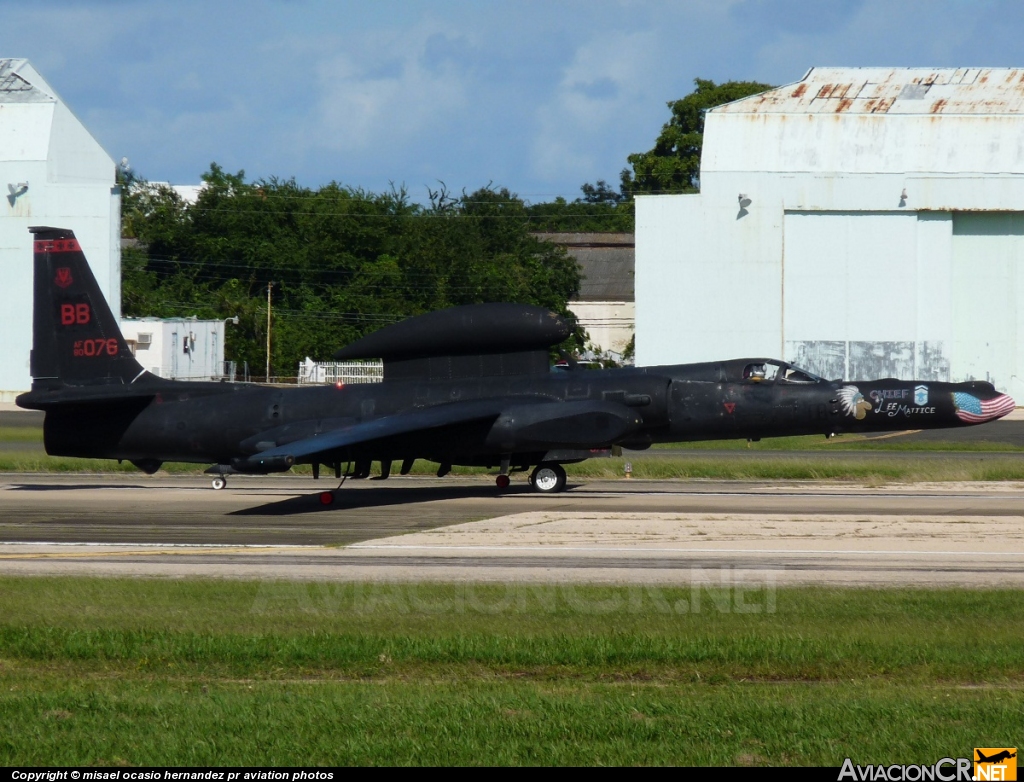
(95, 347)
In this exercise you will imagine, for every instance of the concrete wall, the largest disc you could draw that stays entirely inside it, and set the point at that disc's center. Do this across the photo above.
(708, 284)
(609, 324)
(908, 294)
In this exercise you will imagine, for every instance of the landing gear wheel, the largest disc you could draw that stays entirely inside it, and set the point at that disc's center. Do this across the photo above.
(219, 483)
(327, 498)
(503, 481)
(548, 478)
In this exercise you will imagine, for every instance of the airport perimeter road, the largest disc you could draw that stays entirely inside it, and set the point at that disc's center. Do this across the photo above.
(415, 529)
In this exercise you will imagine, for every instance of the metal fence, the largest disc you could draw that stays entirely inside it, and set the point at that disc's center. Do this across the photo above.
(346, 372)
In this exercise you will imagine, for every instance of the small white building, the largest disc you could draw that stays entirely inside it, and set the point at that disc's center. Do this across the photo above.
(178, 349)
(862, 222)
(52, 172)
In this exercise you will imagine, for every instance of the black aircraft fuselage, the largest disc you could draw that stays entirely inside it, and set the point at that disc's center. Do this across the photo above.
(469, 386)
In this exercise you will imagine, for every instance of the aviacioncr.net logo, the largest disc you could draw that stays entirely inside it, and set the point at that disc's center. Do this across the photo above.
(945, 770)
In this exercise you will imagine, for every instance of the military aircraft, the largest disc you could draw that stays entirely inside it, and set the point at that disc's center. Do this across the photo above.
(470, 385)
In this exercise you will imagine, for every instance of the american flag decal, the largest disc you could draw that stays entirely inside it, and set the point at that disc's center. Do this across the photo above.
(974, 411)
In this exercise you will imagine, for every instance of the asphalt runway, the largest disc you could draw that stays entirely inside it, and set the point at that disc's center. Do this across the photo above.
(457, 529)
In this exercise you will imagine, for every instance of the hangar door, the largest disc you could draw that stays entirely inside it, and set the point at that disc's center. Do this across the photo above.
(988, 280)
(850, 293)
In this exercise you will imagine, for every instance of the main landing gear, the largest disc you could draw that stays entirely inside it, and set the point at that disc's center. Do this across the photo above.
(548, 478)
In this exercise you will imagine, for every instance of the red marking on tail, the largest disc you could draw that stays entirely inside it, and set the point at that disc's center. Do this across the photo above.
(729, 407)
(56, 246)
(74, 314)
(63, 278)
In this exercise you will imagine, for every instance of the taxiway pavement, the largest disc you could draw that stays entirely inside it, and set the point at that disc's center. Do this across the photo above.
(458, 529)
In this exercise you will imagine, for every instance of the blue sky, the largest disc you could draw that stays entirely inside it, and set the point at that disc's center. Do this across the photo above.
(539, 97)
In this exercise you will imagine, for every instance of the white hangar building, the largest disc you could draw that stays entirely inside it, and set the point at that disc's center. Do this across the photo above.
(52, 172)
(862, 222)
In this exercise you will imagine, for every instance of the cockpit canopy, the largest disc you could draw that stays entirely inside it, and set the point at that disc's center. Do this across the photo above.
(740, 370)
(767, 371)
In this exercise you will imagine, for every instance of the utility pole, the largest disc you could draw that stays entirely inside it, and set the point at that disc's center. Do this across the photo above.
(270, 286)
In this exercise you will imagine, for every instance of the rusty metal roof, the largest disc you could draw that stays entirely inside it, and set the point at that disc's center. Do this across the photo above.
(964, 91)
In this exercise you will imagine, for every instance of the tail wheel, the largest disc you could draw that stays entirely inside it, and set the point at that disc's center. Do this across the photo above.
(219, 483)
(327, 498)
(503, 481)
(548, 478)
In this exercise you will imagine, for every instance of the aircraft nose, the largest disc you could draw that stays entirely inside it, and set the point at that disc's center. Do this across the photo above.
(1005, 404)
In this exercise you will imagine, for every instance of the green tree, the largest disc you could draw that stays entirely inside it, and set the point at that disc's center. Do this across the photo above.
(673, 164)
(600, 209)
(581, 216)
(343, 261)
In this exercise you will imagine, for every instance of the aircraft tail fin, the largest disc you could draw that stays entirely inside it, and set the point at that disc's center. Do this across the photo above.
(76, 339)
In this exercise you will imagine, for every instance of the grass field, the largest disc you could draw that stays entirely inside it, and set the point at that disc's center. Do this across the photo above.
(961, 461)
(224, 672)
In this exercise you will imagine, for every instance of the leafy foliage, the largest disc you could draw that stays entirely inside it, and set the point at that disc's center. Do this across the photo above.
(343, 261)
(581, 216)
(673, 164)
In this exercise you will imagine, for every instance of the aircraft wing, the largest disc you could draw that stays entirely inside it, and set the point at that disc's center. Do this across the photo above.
(386, 426)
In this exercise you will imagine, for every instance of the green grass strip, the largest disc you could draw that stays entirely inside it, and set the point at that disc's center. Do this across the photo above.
(21, 434)
(735, 631)
(198, 672)
(50, 720)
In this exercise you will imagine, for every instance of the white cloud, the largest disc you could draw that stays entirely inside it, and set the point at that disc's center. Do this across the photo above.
(384, 91)
(607, 84)
(534, 95)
